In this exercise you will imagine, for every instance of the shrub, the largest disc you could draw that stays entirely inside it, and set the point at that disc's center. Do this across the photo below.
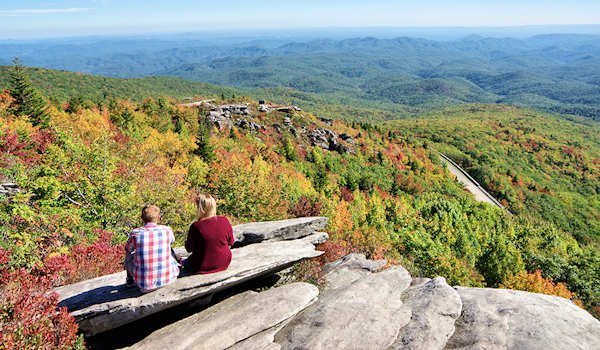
(29, 313)
(305, 207)
(85, 261)
(535, 283)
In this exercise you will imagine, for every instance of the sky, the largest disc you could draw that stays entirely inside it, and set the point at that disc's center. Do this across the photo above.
(55, 18)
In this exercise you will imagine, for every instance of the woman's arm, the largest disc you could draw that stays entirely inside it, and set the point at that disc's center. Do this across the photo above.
(230, 239)
(189, 242)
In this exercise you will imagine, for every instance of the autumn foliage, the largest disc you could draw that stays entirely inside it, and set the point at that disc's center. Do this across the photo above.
(536, 283)
(29, 314)
(85, 173)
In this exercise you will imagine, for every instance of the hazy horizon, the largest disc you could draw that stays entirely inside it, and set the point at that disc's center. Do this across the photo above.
(69, 18)
(308, 33)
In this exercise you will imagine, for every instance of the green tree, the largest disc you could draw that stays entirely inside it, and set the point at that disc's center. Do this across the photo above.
(499, 260)
(27, 100)
(204, 148)
(290, 151)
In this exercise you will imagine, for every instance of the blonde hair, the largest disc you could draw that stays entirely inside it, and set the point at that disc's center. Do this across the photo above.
(150, 213)
(207, 206)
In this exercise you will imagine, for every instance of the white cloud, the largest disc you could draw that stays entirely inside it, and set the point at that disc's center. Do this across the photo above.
(40, 11)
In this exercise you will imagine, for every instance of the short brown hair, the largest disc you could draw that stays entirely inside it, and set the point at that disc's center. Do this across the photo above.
(151, 213)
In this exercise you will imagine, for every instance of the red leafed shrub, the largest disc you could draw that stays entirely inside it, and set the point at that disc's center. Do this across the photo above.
(29, 313)
(347, 195)
(10, 146)
(305, 207)
(312, 270)
(27, 151)
(41, 139)
(333, 251)
(85, 261)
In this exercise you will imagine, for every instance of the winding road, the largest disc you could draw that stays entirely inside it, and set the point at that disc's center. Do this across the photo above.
(481, 195)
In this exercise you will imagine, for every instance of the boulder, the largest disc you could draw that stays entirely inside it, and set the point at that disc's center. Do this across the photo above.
(326, 120)
(288, 109)
(8, 188)
(365, 312)
(434, 306)
(219, 119)
(324, 138)
(347, 138)
(248, 124)
(279, 230)
(104, 303)
(508, 319)
(234, 321)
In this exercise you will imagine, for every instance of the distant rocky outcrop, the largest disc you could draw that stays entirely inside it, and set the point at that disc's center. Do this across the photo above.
(105, 303)
(221, 115)
(364, 307)
(8, 189)
(327, 121)
(329, 140)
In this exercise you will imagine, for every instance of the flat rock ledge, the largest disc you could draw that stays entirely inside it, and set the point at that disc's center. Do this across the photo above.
(278, 230)
(365, 307)
(234, 320)
(106, 302)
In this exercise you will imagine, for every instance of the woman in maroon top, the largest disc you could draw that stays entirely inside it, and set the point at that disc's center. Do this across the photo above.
(209, 239)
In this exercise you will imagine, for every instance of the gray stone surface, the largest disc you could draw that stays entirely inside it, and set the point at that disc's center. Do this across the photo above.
(506, 319)
(280, 230)
(319, 238)
(106, 302)
(8, 189)
(234, 320)
(349, 269)
(434, 306)
(364, 314)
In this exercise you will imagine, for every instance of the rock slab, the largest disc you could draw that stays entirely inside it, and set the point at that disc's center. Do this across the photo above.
(364, 312)
(499, 319)
(233, 320)
(279, 230)
(434, 306)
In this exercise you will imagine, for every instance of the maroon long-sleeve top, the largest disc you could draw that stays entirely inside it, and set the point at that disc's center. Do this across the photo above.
(209, 240)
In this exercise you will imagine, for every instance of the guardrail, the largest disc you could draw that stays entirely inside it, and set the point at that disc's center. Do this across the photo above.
(494, 200)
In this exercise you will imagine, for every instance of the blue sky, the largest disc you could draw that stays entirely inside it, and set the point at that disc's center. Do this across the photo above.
(26, 18)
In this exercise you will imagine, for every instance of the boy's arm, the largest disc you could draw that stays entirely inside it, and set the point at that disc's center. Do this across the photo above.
(130, 245)
(171, 236)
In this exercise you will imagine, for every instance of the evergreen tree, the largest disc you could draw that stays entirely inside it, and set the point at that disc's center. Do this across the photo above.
(27, 100)
(205, 149)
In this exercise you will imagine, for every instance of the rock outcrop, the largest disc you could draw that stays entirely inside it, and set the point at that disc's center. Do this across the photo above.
(278, 230)
(105, 303)
(509, 319)
(221, 116)
(8, 189)
(364, 307)
(248, 125)
(329, 140)
(234, 320)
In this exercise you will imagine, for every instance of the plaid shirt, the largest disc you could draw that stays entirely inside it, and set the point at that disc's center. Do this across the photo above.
(154, 266)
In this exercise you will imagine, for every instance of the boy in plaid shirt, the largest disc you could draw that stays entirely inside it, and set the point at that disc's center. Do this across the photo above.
(148, 260)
